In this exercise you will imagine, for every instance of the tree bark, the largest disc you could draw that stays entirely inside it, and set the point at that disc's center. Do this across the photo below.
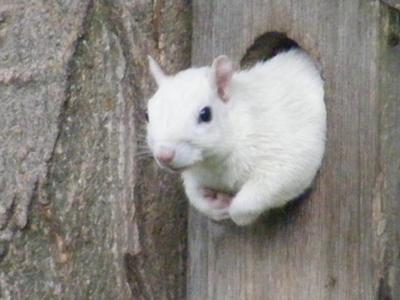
(83, 213)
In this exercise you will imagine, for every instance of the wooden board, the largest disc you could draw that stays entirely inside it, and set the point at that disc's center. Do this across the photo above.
(341, 242)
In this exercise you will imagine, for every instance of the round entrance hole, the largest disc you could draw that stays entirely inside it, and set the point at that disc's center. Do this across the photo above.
(267, 46)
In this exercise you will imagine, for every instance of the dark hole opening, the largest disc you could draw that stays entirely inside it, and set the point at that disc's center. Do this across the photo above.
(267, 46)
(393, 40)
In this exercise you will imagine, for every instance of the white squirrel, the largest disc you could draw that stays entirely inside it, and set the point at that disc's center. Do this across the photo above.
(244, 142)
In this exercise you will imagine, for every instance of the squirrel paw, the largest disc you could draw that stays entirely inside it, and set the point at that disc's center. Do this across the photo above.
(218, 203)
(242, 216)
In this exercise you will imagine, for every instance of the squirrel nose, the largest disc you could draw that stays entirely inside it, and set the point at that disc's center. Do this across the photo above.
(166, 155)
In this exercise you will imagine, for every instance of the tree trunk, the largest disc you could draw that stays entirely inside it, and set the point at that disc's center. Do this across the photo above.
(83, 214)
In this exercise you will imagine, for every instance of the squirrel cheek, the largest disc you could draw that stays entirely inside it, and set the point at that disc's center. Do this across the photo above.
(187, 155)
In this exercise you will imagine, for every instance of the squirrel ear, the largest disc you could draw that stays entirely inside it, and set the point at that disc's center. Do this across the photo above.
(222, 69)
(156, 71)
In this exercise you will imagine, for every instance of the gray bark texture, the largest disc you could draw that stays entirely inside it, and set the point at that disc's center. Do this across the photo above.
(84, 214)
(342, 241)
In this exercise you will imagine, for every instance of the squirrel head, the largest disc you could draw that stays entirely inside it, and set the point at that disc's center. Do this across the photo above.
(187, 116)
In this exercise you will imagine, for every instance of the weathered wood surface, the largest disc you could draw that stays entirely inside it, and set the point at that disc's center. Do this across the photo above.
(393, 3)
(82, 217)
(343, 241)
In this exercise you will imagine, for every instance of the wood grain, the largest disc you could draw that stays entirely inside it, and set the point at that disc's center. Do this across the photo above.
(340, 243)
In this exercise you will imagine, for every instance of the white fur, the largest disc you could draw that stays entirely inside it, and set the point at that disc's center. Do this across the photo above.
(264, 145)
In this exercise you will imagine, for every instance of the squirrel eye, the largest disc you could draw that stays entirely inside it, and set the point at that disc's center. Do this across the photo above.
(146, 116)
(205, 115)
